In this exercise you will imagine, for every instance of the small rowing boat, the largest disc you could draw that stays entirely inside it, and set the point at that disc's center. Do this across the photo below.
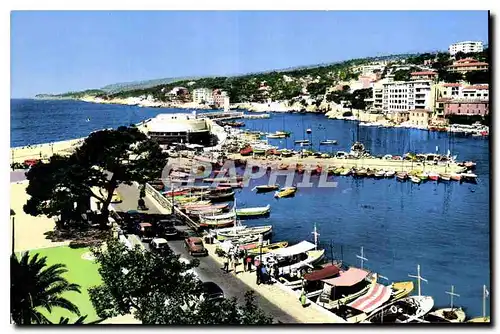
(301, 141)
(285, 192)
(253, 212)
(267, 248)
(444, 176)
(328, 142)
(346, 172)
(433, 176)
(379, 174)
(401, 176)
(361, 172)
(456, 177)
(447, 315)
(266, 188)
(390, 173)
(415, 179)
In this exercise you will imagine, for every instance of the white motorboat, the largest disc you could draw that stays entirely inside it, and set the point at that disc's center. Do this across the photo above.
(403, 310)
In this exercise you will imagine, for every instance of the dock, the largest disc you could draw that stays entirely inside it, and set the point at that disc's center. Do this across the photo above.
(223, 115)
(372, 163)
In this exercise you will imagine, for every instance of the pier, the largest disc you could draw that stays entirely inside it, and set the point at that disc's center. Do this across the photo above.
(372, 163)
(223, 115)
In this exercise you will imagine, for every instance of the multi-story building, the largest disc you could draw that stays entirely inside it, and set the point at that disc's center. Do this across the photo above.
(218, 97)
(419, 117)
(423, 75)
(467, 65)
(407, 95)
(469, 107)
(465, 100)
(203, 95)
(466, 47)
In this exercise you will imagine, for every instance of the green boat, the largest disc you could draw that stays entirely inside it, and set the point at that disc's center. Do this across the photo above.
(253, 212)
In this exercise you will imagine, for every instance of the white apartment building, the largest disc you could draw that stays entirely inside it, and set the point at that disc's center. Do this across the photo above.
(406, 95)
(203, 95)
(466, 47)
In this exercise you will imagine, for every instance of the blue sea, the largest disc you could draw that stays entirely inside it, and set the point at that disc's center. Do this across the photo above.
(443, 227)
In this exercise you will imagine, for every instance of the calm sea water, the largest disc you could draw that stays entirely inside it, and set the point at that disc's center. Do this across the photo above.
(444, 227)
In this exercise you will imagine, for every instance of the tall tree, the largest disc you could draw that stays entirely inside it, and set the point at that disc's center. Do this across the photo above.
(450, 77)
(159, 289)
(106, 159)
(34, 286)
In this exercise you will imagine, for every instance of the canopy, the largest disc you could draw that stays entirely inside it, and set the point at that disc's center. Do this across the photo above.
(299, 248)
(377, 295)
(317, 275)
(349, 277)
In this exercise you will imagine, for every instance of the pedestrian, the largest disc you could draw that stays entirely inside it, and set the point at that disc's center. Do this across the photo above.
(276, 270)
(226, 263)
(263, 273)
(249, 263)
(235, 261)
(303, 298)
(258, 273)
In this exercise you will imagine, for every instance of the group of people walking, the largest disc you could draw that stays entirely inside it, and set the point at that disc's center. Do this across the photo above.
(264, 272)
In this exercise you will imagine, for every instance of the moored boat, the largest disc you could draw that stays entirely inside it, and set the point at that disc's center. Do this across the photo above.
(267, 248)
(423, 176)
(444, 177)
(379, 174)
(246, 150)
(360, 172)
(346, 172)
(266, 187)
(301, 141)
(217, 223)
(455, 176)
(401, 176)
(390, 173)
(415, 179)
(402, 310)
(328, 142)
(401, 289)
(469, 177)
(285, 192)
(433, 176)
(446, 315)
(253, 212)
(231, 233)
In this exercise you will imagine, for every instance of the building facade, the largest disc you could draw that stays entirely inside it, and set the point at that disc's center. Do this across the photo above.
(423, 75)
(407, 95)
(419, 118)
(178, 128)
(218, 97)
(466, 107)
(466, 47)
(467, 65)
(203, 95)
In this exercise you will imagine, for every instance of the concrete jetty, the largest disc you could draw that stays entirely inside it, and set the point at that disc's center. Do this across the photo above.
(372, 163)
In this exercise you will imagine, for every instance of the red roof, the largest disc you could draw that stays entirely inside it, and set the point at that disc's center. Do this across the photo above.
(326, 272)
(467, 60)
(477, 87)
(451, 84)
(424, 73)
(469, 64)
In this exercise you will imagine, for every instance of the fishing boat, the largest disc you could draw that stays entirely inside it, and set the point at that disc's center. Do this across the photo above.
(415, 179)
(229, 215)
(267, 248)
(217, 223)
(253, 212)
(223, 179)
(186, 199)
(389, 174)
(444, 177)
(423, 176)
(302, 141)
(401, 176)
(345, 286)
(401, 289)
(285, 192)
(294, 259)
(276, 136)
(207, 211)
(380, 174)
(336, 170)
(246, 150)
(231, 184)
(484, 318)
(266, 188)
(285, 153)
(346, 172)
(469, 177)
(433, 176)
(402, 310)
(455, 176)
(286, 133)
(305, 144)
(308, 131)
(204, 203)
(328, 142)
(177, 192)
(370, 173)
(446, 315)
(361, 172)
(239, 233)
(221, 195)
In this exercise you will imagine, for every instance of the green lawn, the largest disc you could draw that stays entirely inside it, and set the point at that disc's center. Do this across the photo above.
(80, 271)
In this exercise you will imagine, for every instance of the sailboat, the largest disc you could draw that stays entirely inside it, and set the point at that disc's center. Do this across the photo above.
(448, 314)
(484, 318)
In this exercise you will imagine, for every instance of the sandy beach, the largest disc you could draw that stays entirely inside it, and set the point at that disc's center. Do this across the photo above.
(43, 151)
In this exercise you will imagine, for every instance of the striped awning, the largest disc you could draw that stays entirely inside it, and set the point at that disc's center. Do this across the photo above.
(377, 295)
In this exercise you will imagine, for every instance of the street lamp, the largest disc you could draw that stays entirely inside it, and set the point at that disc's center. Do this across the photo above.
(12, 214)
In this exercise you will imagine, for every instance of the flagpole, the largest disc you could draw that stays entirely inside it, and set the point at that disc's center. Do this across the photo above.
(362, 257)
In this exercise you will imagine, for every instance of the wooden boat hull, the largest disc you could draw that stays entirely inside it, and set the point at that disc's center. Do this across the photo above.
(285, 192)
(265, 189)
(253, 212)
(401, 289)
(217, 223)
(264, 230)
(480, 319)
(266, 249)
(458, 314)
(390, 313)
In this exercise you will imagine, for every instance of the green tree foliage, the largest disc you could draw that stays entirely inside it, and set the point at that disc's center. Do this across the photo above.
(420, 58)
(357, 98)
(477, 77)
(159, 289)
(402, 75)
(452, 77)
(106, 159)
(318, 88)
(35, 286)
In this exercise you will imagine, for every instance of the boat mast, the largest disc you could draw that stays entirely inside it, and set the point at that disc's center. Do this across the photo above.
(316, 234)
(362, 257)
(485, 295)
(452, 293)
(419, 278)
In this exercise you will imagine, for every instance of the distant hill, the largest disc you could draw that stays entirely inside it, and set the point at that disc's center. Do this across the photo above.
(146, 84)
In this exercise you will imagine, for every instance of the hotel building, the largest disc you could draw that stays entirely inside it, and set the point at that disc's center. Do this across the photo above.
(466, 47)
(203, 95)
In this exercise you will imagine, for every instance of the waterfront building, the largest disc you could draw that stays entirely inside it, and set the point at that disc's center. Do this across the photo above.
(466, 47)
(218, 97)
(178, 128)
(407, 95)
(178, 93)
(203, 95)
(423, 75)
(419, 117)
(467, 65)
(399, 117)
(470, 107)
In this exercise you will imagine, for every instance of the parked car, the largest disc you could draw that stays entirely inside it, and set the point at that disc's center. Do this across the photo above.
(158, 244)
(211, 292)
(195, 246)
(167, 229)
(145, 231)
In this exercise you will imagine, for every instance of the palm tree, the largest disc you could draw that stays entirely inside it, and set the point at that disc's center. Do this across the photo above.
(34, 286)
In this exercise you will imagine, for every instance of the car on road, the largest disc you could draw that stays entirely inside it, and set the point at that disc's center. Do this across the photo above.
(195, 246)
(211, 292)
(157, 244)
(167, 229)
(145, 231)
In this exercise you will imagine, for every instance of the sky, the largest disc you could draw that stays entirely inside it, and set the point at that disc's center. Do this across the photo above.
(60, 51)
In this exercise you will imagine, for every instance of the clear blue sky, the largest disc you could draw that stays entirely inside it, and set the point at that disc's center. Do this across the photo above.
(54, 51)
